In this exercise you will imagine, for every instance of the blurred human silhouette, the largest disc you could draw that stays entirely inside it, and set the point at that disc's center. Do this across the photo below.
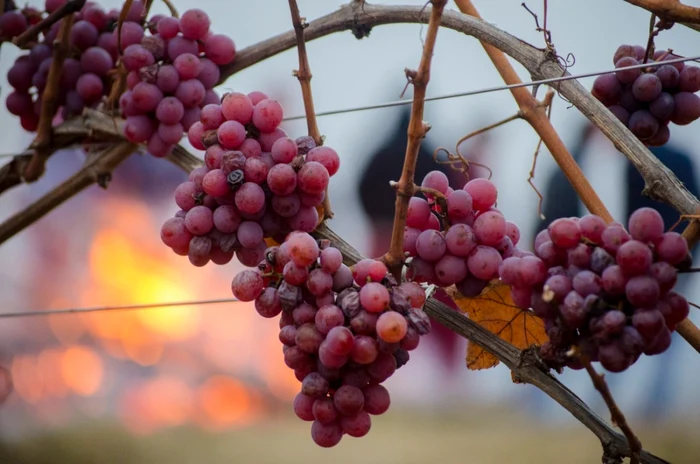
(560, 200)
(378, 200)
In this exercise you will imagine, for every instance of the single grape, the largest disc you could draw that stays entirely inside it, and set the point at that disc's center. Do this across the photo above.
(460, 240)
(450, 269)
(686, 108)
(220, 49)
(364, 349)
(483, 262)
(634, 257)
(564, 233)
(431, 245)
(376, 399)
(613, 280)
(267, 115)
(672, 248)
(647, 87)
(689, 79)
(391, 327)
(490, 228)
(483, 192)
(303, 407)
(662, 107)
(642, 291)
(606, 88)
(646, 225)
(199, 220)
(267, 304)
(313, 178)
(374, 297)
(627, 76)
(247, 285)
(418, 213)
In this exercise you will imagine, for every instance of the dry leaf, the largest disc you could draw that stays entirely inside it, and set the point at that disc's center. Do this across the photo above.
(494, 310)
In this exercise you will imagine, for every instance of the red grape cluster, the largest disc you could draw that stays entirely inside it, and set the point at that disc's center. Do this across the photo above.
(86, 76)
(602, 288)
(256, 183)
(344, 331)
(171, 76)
(646, 100)
(457, 236)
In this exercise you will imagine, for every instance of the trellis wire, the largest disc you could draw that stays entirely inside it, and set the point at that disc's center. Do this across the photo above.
(95, 309)
(551, 80)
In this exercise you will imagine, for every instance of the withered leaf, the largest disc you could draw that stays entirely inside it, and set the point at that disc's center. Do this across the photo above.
(494, 309)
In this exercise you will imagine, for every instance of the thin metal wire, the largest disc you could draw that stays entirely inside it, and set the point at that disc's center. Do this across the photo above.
(94, 309)
(473, 92)
(551, 80)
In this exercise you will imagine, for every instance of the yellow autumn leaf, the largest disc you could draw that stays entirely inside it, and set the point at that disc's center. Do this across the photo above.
(494, 310)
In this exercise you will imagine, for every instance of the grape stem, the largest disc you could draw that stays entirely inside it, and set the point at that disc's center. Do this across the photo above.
(615, 413)
(49, 103)
(531, 176)
(68, 8)
(417, 129)
(536, 115)
(173, 11)
(96, 170)
(418, 188)
(303, 74)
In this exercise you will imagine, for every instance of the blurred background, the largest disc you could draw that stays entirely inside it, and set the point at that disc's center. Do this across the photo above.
(207, 383)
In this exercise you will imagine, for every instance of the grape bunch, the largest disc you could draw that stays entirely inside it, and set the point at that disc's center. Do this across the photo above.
(256, 183)
(646, 100)
(343, 331)
(172, 73)
(86, 75)
(606, 290)
(457, 236)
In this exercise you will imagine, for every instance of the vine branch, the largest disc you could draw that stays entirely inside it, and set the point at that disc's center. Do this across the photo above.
(615, 413)
(670, 10)
(303, 74)
(417, 129)
(97, 169)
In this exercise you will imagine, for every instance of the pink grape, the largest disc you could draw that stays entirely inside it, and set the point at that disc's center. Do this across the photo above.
(231, 134)
(374, 297)
(391, 327)
(483, 262)
(313, 178)
(326, 156)
(247, 285)
(267, 115)
(483, 192)
(490, 228)
(431, 245)
(220, 49)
